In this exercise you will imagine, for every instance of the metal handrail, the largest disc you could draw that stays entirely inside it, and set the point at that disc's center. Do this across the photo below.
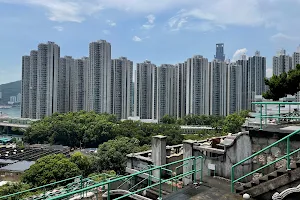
(288, 154)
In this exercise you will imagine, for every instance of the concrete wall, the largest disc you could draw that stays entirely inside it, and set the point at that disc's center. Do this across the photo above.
(237, 148)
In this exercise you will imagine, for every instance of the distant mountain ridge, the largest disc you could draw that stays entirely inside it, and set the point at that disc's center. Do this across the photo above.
(8, 90)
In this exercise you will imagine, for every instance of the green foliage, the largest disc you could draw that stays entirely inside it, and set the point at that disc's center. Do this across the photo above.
(88, 129)
(211, 120)
(11, 188)
(98, 177)
(284, 84)
(50, 169)
(234, 122)
(167, 119)
(203, 135)
(83, 163)
(112, 154)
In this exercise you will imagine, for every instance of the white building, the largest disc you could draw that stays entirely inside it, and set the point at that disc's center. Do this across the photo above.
(244, 82)
(181, 90)
(235, 88)
(47, 79)
(296, 58)
(282, 62)
(218, 89)
(99, 97)
(256, 76)
(167, 90)
(77, 85)
(25, 87)
(197, 85)
(122, 72)
(33, 84)
(145, 95)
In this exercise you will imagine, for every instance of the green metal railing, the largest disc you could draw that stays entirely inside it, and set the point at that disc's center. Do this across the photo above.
(106, 185)
(287, 157)
(278, 115)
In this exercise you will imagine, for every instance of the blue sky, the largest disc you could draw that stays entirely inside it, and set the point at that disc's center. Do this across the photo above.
(163, 31)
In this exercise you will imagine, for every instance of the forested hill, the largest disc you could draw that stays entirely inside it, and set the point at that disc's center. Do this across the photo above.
(8, 90)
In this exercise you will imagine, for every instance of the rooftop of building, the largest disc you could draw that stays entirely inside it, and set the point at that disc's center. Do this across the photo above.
(20, 166)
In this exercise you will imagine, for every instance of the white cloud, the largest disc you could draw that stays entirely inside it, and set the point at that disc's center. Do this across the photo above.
(269, 72)
(111, 23)
(106, 32)
(280, 14)
(238, 54)
(281, 36)
(59, 28)
(64, 10)
(150, 22)
(136, 39)
(151, 19)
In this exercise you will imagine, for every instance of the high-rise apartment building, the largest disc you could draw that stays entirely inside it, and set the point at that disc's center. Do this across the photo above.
(218, 88)
(256, 76)
(234, 91)
(122, 73)
(220, 52)
(181, 89)
(77, 86)
(25, 86)
(196, 77)
(100, 76)
(296, 58)
(145, 96)
(47, 79)
(167, 90)
(282, 63)
(244, 82)
(33, 84)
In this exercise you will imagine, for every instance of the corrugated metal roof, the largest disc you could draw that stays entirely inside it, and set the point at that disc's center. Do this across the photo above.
(18, 166)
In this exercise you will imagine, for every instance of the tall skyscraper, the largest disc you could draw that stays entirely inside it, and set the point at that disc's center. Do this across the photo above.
(181, 89)
(244, 82)
(122, 72)
(196, 75)
(235, 91)
(100, 75)
(25, 86)
(145, 97)
(167, 90)
(218, 87)
(282, 63)
(47, 79)
(77, 85)
(33, 84)
(257, 75)
(296, 58)
(220, 52)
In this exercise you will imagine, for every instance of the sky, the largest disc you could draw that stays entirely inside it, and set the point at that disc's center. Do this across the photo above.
(162, 31)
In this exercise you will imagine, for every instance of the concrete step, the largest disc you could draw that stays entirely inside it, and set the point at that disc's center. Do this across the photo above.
(269, 182)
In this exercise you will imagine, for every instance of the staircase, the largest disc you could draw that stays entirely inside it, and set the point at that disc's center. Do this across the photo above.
(272, 181)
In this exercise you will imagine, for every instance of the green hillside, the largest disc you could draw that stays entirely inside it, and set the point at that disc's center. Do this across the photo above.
(8, 90)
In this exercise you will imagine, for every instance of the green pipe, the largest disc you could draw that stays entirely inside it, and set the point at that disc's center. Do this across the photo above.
(259, 152)
(40, 187)
(267, 165)
(118, 179)
(160, 183)
(288, 167)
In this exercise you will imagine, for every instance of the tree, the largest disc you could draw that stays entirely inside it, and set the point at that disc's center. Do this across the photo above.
(50, 169)
(283, 84)
(167, 119)
(11, 188)
(112, 154)
(233, 123)
(83, 163)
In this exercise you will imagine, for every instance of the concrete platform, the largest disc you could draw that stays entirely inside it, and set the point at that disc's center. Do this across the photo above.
(203, 192)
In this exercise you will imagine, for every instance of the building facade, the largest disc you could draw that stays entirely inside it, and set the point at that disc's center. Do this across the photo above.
(282, 63)
(100, 76)
(25, 86)
(122, 74)
(145, 96)
(220, 52)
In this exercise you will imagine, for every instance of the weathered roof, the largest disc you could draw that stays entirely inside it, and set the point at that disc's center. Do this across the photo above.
(7, 161)
(20, 166)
